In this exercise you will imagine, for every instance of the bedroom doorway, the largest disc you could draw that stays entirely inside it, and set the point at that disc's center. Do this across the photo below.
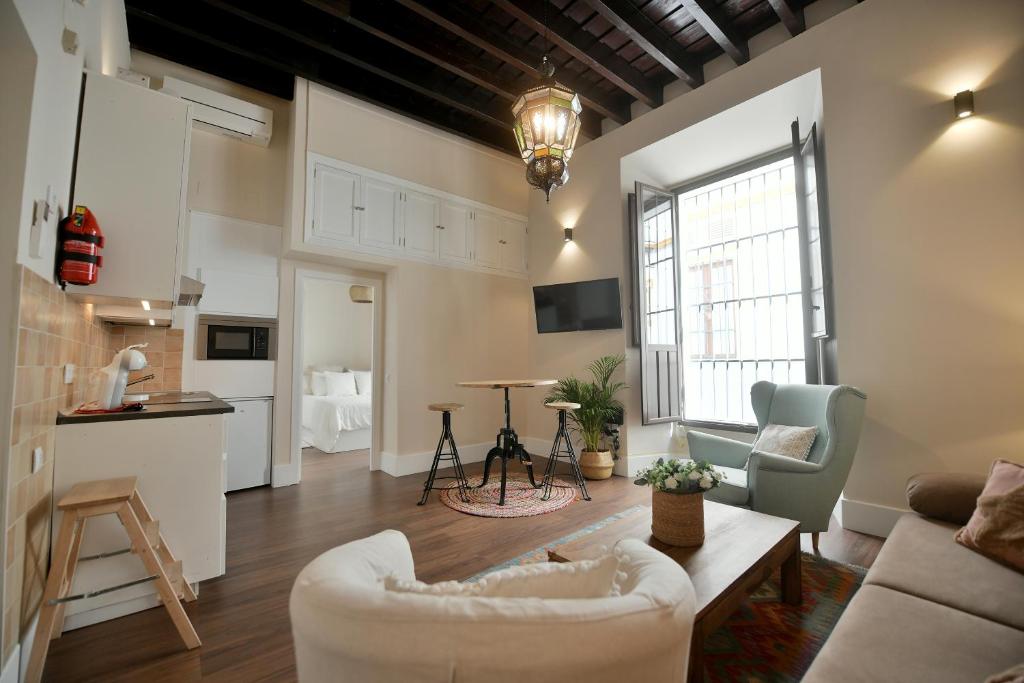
(334, 366)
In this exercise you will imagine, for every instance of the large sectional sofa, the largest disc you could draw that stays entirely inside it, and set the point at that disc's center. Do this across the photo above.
(930, 610)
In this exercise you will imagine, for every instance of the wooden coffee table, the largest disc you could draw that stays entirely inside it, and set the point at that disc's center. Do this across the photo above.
(741, 549)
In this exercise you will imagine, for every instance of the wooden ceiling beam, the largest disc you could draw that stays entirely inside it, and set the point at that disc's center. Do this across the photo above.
(457, 21)
(791, 16)
(639, 28)
(581, 45)
(711, 19)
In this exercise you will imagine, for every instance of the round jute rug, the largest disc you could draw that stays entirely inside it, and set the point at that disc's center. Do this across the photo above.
(521, 499)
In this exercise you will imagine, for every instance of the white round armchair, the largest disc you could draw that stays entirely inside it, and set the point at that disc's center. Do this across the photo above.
(358, 614)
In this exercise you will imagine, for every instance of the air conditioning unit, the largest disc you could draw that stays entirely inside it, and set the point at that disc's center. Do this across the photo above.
(218, 113)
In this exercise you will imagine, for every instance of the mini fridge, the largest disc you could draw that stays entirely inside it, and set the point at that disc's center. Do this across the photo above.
(249, 438)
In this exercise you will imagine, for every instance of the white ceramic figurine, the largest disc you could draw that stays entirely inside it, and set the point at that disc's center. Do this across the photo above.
(114, 377)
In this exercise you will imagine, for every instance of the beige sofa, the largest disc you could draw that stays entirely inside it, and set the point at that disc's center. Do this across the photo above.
(930, 610)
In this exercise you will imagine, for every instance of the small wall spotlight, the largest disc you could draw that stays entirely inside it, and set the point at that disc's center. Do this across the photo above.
(963, 104)
(568, 234)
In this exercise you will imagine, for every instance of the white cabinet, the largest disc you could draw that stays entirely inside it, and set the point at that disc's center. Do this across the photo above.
(487, 245)
(249, 428)
(335, 204)
(422, 216)
(132, 173)
(456, 231)
(381, 214)
(512, 237)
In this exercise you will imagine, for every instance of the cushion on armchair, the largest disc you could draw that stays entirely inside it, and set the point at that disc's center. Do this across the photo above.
(789, 441)
(945, 496)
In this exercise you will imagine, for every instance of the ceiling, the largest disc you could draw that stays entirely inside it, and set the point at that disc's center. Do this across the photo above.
(459, 64)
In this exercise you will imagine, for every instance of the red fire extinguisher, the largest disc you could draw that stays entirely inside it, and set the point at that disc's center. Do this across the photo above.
(80, 241)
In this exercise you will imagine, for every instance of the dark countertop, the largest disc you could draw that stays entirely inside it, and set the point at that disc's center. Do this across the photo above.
(160, 404)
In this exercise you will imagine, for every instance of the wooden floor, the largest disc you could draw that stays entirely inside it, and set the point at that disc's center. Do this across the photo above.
(242, 617)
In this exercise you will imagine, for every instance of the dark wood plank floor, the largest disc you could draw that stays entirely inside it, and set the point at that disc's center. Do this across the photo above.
(242, 617)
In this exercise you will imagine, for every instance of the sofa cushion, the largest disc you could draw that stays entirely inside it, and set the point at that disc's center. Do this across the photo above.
(732, 490)
(921, 557)
(946, 496)
(886, 635)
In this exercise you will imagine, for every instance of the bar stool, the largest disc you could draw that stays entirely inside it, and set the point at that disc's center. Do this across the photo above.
(446, 410)
(568, 454)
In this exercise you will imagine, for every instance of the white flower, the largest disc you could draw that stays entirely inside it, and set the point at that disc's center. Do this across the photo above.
(694, 475)
(671, 483)
(717, 476)
(705, 484)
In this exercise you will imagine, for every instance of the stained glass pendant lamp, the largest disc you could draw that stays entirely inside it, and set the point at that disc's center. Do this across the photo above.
(547, 121)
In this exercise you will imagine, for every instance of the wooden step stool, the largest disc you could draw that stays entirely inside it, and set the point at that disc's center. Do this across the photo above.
(108, 497)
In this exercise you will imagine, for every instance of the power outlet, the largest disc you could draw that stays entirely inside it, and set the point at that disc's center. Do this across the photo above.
(37, 459)
(69, 373)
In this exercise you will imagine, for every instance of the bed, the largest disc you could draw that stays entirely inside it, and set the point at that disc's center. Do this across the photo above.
(337, 423)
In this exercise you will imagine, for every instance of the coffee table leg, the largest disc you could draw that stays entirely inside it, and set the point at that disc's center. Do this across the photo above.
(695, 669)
(792, 583)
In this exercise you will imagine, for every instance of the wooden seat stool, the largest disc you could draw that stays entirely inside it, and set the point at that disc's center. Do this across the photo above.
(557, 453)
(446, 410)
(108, 497)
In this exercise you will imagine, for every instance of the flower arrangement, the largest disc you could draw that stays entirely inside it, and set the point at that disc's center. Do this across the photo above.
(679, 476)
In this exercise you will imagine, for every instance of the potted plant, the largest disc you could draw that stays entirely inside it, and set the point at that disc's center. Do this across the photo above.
(598, 407)
(678, 499)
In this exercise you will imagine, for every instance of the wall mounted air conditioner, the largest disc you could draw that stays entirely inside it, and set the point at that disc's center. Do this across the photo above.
(218, 113)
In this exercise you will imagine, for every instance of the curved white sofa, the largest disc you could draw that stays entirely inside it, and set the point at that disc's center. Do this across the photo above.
(348, 628)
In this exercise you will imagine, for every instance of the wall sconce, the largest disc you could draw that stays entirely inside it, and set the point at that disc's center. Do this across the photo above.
(361, 294)
(963, 104)
(568, 234)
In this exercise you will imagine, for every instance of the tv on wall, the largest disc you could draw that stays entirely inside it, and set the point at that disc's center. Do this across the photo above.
(577, 306)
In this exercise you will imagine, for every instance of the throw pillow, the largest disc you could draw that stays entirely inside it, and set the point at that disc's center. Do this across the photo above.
(996, 529)
(318, 383)
(786, 440)
(947, 496)
(340, 383)
(364, 381)
(1013, 675)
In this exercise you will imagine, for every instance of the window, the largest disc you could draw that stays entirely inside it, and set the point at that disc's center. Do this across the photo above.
(741, 296)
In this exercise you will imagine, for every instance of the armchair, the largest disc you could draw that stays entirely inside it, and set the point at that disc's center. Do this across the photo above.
(805, 491)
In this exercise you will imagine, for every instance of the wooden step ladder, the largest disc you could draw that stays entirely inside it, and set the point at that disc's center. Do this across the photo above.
(108, 497)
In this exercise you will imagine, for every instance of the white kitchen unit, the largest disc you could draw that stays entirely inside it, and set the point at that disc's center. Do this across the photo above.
(249, 436)
(358, 210)
(132, 173)
(179, 458)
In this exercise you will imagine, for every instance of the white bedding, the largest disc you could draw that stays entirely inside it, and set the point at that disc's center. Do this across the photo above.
(324, 418)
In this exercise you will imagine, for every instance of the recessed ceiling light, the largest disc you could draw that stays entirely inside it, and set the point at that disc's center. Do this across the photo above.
(152, 322)
(145, 305)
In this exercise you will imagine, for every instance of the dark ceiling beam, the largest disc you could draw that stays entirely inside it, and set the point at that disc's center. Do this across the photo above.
(315, 36)
(711, 19)
(581, 45)
(362, 85)
(340, 9)
(639, 28)
(468, 26)
(791, 16)
(380, 21)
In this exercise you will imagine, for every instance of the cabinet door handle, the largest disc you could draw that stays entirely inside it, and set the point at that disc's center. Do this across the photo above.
(359, 208)
(440, 227)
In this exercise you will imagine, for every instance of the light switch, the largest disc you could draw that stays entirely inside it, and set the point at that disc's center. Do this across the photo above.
(37, 459)
(69, 373)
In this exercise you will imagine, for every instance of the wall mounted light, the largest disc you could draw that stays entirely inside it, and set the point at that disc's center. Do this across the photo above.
(963, 104)
(568, 234)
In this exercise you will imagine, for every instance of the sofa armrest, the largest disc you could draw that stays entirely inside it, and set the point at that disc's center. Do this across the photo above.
(779, 463)
(946, 496)
(717, 450)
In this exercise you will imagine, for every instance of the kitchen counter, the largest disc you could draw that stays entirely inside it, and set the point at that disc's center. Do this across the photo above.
(159, 404)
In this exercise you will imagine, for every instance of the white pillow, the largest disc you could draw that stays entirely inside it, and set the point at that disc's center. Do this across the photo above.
(786, 440)
(364, 381)
(340, 383)
(318, 383)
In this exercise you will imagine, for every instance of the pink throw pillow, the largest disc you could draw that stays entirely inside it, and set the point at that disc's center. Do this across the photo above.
(996, 529)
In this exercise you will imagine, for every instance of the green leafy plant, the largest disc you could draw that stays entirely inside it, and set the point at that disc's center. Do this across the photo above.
(598, 405)
(679, 476)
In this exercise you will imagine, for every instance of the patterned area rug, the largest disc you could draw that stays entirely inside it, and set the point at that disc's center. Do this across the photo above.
(765, 640)
(521, 499)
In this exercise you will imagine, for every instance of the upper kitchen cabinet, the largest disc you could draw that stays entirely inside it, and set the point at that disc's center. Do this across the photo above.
(421, 218)
(487, 242)
(334, 205)
(456, 231)
(512, 239)
(381, 214)
(132, 173)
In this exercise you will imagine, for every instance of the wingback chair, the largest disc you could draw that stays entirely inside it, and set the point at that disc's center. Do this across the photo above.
(541, 622)
(778, 485)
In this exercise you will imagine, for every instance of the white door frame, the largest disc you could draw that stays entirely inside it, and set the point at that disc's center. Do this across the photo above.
(298, 362)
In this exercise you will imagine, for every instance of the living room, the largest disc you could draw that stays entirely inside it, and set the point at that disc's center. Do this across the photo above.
(766, 424)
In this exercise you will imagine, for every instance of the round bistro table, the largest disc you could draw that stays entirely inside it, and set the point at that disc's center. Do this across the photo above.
(507, 445)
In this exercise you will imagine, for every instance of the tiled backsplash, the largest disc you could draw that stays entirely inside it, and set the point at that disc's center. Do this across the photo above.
(54, 330)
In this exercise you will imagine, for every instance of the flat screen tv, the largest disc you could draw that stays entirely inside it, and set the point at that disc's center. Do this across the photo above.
(576, 306)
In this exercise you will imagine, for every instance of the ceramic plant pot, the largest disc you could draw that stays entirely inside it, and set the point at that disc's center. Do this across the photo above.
(678, 518)
(596, 464)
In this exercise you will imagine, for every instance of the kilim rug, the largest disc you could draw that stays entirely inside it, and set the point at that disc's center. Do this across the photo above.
(765, 640)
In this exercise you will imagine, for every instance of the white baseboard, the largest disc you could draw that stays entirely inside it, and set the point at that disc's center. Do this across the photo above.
(413, 463)
(9, 674)
(868, 518)
(286, 475)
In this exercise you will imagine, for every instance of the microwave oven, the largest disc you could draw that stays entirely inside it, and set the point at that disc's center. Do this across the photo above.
(220, 337)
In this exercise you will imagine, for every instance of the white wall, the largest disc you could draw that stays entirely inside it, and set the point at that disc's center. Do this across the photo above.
(926, 226)
(335, 331)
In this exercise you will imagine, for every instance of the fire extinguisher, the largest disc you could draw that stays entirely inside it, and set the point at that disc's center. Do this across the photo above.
(79, 244)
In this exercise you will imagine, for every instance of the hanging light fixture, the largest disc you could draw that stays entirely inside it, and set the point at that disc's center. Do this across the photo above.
(547, 121)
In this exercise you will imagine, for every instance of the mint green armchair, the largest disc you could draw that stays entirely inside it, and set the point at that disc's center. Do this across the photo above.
(785, 487)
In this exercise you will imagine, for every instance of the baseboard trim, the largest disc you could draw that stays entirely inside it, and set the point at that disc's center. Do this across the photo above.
(415, 463)
(9, 674)
(285, 475)
(868, 518)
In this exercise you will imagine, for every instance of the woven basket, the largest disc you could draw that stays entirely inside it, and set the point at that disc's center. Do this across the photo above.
(678, 518)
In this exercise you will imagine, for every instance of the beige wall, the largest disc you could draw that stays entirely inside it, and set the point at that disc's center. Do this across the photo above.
(925, 218)
(336, 331)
